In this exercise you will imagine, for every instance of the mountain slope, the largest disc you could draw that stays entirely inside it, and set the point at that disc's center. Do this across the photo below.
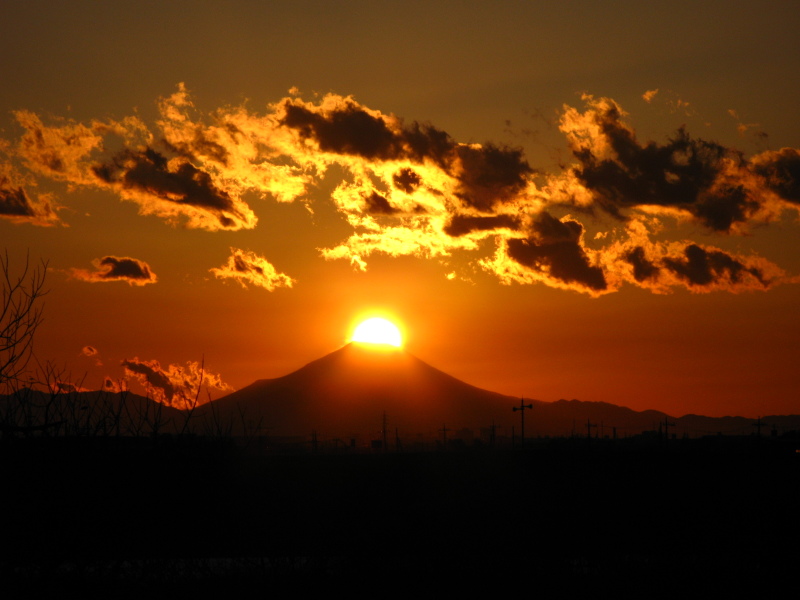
(347, 391)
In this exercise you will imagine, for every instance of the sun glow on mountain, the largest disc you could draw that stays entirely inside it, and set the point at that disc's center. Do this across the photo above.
(377, 331)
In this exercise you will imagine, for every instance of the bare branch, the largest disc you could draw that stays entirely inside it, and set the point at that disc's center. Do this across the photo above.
(20, 316)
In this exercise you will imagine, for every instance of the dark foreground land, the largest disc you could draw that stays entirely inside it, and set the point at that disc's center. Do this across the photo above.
(126, 516)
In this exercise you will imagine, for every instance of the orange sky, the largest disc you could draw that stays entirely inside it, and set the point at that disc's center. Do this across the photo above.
(572, 201)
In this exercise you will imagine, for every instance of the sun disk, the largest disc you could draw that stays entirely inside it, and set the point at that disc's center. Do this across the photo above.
(378, 331)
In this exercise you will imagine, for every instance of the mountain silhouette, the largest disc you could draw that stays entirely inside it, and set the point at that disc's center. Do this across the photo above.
(347, 392)
(345, 395)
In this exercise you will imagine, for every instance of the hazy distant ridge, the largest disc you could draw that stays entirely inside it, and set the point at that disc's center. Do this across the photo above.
(346, 394)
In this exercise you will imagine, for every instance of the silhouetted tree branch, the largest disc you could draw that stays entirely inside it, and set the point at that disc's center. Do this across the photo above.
(20, 316)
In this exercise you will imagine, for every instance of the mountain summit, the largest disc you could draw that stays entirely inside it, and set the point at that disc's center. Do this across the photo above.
(346, 393)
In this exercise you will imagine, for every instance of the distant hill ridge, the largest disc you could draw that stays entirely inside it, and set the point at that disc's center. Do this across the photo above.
(348, 393)
(349, 390)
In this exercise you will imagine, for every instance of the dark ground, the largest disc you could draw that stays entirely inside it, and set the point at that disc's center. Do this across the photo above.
(124, 517)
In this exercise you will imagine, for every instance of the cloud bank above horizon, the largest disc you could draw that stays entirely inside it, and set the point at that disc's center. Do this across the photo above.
(410, 189)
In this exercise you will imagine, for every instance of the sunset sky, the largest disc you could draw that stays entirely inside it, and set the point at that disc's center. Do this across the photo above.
(588, 200)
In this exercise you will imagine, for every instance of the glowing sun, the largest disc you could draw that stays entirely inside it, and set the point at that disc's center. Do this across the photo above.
(377, 331)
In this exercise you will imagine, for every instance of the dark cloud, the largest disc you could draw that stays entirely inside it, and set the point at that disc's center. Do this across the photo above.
(489, 175)
(14, 202)
(109, 385)
(151, 175)
(152, 377)
(463, 224)
(781, 170)
(16, 205)
(643, 269)
(115, 268)
(425, 141)
(406, 180)
(703, 178)
(379, 205)
(725, 206)
(555, 249)
(200, 146)
(701, 267)
(486, 174)
(348, 129)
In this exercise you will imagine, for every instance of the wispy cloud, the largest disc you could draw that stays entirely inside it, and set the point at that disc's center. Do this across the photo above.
(649, 95)
(92, 352)
(177, 386)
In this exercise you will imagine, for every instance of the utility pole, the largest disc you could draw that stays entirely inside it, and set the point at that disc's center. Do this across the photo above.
(589, 426)
(758, 425)
(667, 425)
(444, 431)
(385, 444)
(522, 406)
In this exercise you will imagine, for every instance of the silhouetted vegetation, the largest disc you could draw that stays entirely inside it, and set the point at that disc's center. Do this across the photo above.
(195, 509)
(20, 317)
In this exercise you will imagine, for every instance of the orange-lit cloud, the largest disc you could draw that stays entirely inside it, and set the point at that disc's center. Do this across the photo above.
(410, 189)
(59, 151)
(176, 386)
(173, 188)
(92, 352)
(662, 266)
(781, 172)
(553, 253)
(16, 204)
(247, 267)
(116, 268)
(113, 385)
(413, 189)
(702, 180)
(342, 130)
(245, 151)
(649, 95)
(64, 387)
